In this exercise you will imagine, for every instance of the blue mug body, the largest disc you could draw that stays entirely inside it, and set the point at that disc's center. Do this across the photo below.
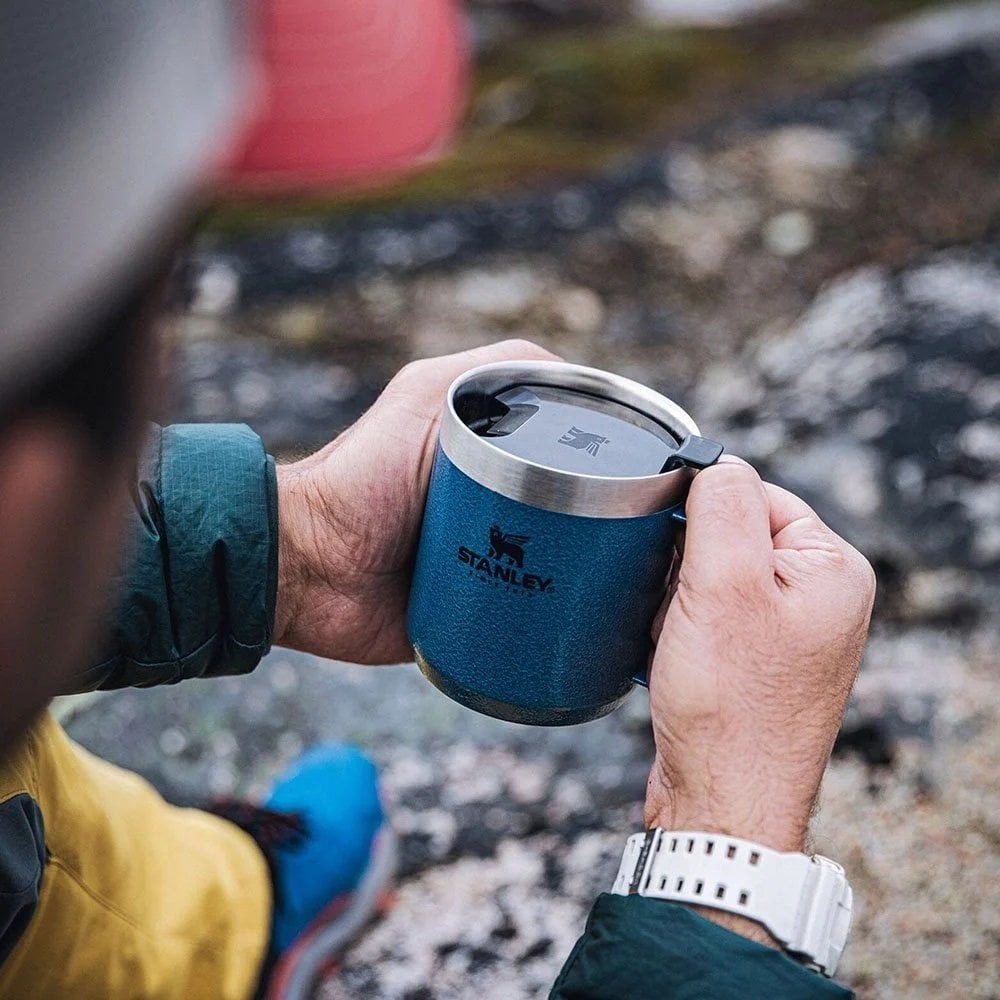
(537, 579)
(533, 615)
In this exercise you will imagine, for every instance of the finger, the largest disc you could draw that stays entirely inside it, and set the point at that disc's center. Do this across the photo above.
(515, 349)
(728, 526)
(428, 379)
(786, 507)
(795, 525)
(669, 590)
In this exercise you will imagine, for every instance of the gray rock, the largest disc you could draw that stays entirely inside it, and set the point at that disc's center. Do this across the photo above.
(216, 290)
(708, 12)
(941, 29)
(981, 440)
(502, 294)
(788, 234)
(803, 163)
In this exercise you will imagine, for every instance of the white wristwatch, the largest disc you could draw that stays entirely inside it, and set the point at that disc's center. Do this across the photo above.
(804, 902)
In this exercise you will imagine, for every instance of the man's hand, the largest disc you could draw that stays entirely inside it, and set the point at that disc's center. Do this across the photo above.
(758, 651)
(349, 516)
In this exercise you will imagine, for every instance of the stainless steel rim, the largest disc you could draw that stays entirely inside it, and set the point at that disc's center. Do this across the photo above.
(554, 489)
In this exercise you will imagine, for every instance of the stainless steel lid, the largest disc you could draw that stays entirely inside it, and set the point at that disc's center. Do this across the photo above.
(572, 439)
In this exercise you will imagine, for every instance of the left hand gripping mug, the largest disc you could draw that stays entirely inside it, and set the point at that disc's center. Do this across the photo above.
(547, 537)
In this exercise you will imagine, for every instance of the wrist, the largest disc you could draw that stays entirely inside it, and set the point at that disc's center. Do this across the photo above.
(293, 520)
(755, 817)
(775, 830)
(776, 818)
(739, 925)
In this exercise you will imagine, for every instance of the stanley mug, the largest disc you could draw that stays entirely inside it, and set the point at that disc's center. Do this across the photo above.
(547, 537)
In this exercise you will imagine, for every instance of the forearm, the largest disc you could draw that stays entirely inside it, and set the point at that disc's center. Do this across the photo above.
(298, 561)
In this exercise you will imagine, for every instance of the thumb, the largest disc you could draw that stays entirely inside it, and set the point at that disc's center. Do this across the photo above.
(728, 527)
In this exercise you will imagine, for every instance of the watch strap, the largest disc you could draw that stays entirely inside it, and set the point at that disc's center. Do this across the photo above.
(804, 902)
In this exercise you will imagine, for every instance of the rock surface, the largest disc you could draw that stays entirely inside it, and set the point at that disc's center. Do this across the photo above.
(820, 284)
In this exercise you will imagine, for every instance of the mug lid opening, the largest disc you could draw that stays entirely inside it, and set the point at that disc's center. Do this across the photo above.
(565, 428)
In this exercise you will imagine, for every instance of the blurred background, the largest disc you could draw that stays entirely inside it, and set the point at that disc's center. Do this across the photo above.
(787, 217)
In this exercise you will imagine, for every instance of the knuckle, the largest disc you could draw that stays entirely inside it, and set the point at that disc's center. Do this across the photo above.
(855, 578)
(520, 344)
(410, 372)
(864, 571)
(812, 528)
(522, 347)
(816, 532)
(844, 557)
(416, 386)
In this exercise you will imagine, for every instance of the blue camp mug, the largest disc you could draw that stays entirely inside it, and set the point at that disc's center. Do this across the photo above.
(547, 537)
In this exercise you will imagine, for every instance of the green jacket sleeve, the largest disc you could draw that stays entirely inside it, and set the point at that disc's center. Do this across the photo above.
(635, 948)
(198, 583)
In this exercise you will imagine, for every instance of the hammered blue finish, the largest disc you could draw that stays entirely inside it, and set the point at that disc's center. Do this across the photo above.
(554, 640)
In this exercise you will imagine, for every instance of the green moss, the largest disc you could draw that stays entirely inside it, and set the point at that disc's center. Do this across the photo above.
(616, 83)
(480, 164)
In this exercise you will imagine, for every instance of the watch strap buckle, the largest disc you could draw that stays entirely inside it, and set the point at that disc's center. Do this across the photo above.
(824, 917)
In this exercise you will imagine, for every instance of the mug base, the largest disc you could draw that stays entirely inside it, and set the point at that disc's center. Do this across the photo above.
(508, 711)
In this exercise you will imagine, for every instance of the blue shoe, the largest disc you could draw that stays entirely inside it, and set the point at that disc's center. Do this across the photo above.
(331, 853)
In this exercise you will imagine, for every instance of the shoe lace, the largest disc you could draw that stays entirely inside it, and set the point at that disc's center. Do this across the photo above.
(270, 828)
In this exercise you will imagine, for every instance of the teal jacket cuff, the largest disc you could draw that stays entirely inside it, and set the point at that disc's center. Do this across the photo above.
(198, 584)
(649, 949)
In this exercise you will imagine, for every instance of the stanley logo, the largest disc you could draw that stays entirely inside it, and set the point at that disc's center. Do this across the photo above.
(504, 563)
(583, 440)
